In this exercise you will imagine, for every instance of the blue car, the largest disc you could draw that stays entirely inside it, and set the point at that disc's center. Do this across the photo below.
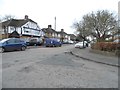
(52, 42)
(11, 44)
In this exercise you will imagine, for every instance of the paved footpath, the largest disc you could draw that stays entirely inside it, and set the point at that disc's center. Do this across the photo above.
(87, 55)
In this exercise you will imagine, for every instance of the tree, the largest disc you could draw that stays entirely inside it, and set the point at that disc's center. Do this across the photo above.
(7, 17)
(99, 25)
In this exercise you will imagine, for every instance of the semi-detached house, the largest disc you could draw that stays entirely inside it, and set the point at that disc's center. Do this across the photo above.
(51, 33)
(23, 28)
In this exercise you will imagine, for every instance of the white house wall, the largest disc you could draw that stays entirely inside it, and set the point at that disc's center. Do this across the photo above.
(1, 29)
(68, 37)
(31, 25)
(18, 29)
(31, 28)
(12, 29)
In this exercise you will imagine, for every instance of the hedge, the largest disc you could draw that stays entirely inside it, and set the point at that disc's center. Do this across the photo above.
(106, 46)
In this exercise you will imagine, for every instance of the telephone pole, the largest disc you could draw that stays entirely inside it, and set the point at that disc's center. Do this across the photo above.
(55, 24)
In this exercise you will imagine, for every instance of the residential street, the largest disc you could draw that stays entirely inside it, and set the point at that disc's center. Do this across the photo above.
(50, 67)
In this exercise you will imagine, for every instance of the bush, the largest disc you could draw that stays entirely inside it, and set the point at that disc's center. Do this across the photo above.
(106, 46)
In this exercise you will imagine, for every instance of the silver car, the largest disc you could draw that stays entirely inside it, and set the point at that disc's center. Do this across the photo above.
(80, 45)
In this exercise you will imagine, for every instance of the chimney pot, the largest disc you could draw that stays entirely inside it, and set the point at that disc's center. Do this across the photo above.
(62, 30)
(26, 17)
(50, 26)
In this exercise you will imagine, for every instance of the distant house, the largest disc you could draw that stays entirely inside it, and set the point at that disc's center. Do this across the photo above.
(116, 35)
(63, 36)
(72, 37)
(49, 32)
(23, 28)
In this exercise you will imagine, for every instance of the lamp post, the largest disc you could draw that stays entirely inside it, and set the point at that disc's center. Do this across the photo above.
(62, 30)
(83, 37)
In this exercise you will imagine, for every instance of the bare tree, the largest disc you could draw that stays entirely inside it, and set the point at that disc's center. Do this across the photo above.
(7, 17)
(100, 25)
(5, 27)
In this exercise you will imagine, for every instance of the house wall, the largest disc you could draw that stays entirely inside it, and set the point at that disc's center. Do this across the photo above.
(56, 35)
(68, 37)
(1, 30)
(31, 28)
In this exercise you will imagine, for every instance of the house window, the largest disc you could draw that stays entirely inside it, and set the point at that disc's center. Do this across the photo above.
(37, 32)
(27, 31)
(11, 28)
(27, 25)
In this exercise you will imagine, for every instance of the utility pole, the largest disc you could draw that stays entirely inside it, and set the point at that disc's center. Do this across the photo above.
(55, 24)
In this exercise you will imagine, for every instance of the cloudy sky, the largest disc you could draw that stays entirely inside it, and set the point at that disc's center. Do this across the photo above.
(66, 11)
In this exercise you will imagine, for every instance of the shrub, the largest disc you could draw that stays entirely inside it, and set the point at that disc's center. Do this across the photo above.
(106, 46)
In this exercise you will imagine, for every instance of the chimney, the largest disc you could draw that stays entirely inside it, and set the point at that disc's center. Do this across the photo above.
(26, 17)
(62, 30)
(49, 26)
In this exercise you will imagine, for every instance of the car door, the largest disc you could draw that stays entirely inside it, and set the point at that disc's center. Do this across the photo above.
(10, 45)
(17, 44)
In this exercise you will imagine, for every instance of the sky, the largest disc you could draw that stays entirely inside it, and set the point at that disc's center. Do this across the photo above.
(66, 11)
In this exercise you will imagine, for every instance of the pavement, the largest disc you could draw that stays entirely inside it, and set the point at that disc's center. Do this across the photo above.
(86, 54)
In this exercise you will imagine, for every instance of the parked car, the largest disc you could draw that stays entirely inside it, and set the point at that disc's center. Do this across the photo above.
(11, 44)
(71, 42)
(80, 45)
(35, 41)
(52, 42)
(68, 42)
(117, 41)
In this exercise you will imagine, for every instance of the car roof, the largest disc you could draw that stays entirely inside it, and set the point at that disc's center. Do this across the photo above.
(4, 40)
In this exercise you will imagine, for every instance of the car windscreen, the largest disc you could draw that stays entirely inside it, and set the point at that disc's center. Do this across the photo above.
(0, 44)
(4, 40)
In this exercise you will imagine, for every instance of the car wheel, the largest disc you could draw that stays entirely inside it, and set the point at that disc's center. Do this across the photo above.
(23, 48)
(2, 50)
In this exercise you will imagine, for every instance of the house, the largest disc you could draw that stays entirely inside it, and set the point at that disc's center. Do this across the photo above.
(0, 31)
(116, 36)
(72, 37)
(22, 28)
(49, 32)
(63, 36)
(60, 35)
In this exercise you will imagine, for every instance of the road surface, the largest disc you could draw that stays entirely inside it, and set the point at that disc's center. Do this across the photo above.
(49, 67)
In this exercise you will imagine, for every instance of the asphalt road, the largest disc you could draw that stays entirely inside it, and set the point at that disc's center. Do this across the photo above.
(43, 67)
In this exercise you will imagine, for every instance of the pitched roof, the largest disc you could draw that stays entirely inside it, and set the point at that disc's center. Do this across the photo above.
(64, 33)
(14, 34)
(16, 22)
(72, 35)
(48, 30)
